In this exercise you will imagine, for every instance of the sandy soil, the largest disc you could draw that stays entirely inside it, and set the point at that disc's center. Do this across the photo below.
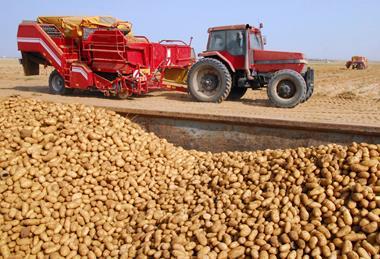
(341, 96)
(335, 80)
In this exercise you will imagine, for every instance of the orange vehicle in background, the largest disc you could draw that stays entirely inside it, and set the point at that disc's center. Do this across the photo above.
(357, 62)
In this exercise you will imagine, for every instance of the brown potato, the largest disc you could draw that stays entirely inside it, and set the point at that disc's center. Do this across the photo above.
(86, 182)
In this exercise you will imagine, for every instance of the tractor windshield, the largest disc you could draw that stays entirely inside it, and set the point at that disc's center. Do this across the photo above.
(256, 42)
(217, 41)
(232, 41)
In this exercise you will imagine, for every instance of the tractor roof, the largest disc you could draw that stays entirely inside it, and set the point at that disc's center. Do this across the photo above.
(233, 27)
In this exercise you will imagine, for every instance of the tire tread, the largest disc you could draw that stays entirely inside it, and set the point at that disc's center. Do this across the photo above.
(64, 90)
(296, 75)
(221, 67)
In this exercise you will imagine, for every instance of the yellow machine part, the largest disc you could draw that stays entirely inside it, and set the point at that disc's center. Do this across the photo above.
(176, 75)
(358, 59)
(72, 26)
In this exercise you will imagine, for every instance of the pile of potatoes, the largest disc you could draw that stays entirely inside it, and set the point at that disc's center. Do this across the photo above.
(77, 181)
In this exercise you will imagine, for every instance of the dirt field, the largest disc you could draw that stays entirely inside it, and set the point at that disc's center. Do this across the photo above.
(334, 80)
(341, 96)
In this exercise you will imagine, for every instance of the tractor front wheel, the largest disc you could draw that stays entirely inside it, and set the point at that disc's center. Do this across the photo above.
(286, 89)
(57, 84)
(309, 92)
(209, 81)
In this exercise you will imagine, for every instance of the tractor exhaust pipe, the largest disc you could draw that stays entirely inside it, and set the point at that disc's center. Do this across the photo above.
(247, 52)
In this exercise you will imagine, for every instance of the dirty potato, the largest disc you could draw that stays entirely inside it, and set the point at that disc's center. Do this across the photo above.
(77, 181)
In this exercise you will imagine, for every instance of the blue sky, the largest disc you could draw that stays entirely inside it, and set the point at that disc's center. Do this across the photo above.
(321, 29)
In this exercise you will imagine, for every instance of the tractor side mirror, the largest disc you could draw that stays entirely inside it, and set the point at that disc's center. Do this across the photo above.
(264, 40)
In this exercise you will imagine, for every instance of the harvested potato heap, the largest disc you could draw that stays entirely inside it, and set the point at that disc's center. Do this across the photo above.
(79, 181)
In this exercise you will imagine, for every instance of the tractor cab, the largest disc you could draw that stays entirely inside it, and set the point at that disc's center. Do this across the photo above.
(233, 40)
(235, 43)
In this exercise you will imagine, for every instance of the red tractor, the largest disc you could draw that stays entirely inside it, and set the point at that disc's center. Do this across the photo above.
(357, 62)
(235, 60)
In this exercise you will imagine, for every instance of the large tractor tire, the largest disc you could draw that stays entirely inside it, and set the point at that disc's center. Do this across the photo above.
(57, 84)
(209, 81)
(286, 89)
(236, 93)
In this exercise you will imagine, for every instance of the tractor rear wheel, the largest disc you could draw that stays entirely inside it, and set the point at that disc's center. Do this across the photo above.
(237, 93)
(57, 84)
(209, 81)
(286, 89)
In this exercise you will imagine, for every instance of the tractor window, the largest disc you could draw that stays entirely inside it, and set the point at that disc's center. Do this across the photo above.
(255, 41)
(217, 41)
(236, 42)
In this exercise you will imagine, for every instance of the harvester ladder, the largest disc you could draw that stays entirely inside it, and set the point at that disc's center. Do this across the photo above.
(117, 46)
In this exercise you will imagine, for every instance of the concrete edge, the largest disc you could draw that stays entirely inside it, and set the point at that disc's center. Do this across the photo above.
(303, 125)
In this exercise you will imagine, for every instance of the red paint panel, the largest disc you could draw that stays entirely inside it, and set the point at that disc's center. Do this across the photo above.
(277, 67)
(265, 55)
(236, 61)
(81, 76)
(31, 38)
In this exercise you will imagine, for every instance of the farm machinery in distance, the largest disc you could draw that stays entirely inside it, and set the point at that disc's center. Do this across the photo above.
(357, 62)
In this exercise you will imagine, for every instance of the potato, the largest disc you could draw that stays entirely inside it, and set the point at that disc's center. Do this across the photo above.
(77, 181)
(236, 252)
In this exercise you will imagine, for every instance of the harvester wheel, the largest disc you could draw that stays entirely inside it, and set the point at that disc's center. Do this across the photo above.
(287, 88)
(57, 84)
(123, 95)
(237, 93)
(209, 81)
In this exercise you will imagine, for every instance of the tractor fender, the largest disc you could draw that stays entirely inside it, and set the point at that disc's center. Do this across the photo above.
(210, 54)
